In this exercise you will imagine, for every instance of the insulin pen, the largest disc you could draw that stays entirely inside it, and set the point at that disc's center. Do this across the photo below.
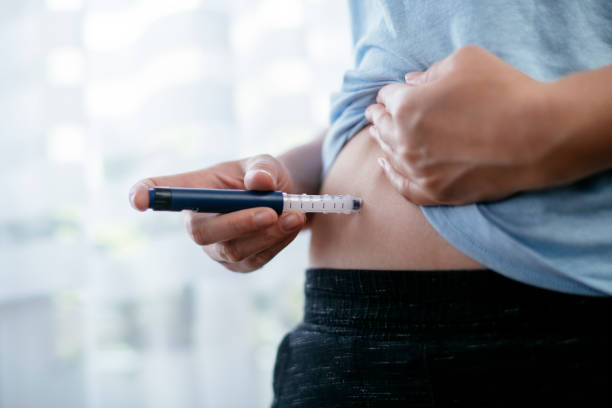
(224, 201)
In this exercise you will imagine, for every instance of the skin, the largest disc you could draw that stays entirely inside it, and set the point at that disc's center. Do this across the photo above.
(472, 128)
(389, 233)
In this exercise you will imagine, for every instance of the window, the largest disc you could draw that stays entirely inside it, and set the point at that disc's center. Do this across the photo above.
(101, 306)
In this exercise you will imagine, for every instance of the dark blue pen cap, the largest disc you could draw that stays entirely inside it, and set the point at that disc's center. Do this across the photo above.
(160, 198)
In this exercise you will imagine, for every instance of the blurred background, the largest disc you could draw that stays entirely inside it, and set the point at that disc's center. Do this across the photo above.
(101, 306)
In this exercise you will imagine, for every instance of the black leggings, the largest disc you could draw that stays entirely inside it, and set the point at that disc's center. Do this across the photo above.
(442, 338)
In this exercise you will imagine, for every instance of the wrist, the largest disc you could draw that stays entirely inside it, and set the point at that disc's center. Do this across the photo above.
(551, 126)
(574, 133)
(303, 164)
(294, 185)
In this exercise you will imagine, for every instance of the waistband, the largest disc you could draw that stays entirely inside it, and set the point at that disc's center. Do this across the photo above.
(385, 299)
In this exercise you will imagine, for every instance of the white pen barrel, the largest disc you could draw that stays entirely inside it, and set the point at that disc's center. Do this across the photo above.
(341, 204)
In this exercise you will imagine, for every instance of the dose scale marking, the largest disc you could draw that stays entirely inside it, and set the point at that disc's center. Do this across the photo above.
(343, 204)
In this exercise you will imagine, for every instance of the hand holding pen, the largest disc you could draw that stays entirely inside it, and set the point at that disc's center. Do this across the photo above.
(243, 240)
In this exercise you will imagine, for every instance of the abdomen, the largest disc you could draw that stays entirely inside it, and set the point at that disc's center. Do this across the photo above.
(389, 233)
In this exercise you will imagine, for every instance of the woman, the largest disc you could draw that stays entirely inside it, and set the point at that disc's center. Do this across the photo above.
(401, 308)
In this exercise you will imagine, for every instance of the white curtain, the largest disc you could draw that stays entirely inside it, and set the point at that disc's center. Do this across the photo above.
(101, 306)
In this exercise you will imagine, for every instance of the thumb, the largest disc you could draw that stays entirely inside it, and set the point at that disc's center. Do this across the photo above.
(434, 72)
(265, 173)
(413, 78)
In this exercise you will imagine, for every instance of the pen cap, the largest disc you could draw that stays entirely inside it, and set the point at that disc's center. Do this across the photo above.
(159, 198)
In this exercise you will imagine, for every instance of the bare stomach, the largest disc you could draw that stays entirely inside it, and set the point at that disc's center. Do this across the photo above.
(388, 233)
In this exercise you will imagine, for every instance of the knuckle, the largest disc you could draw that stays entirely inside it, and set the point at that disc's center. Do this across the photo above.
(469, 49)
(229, 252)
(430, 185)
(243, 223)
(197, 234)
(276, 234)
(258, 260)
(466, 53)
(436, 189)
(262, 161)
(199, 237)
(403, 186)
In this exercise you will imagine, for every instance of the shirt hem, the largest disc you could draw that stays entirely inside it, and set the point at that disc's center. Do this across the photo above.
(440, 219)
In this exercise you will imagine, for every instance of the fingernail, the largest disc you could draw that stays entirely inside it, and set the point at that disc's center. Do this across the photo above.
(290, 222)
(412, 78)
(264, 219)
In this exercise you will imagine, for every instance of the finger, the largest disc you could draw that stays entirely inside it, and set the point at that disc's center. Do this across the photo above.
(378, 115)
(259, 259)
(436, 71)
(391, 95)
(263, 172)
(406, 168)
(205, 229)
(413, 78)
(406, 187)
(238, 249)
(386, 142)
(374, 111)
(399, 163)
(139, 192)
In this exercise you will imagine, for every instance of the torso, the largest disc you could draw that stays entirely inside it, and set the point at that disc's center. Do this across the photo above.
(388, 233)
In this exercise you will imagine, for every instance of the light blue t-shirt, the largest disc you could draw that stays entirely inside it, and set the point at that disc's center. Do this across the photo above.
(556, 238)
